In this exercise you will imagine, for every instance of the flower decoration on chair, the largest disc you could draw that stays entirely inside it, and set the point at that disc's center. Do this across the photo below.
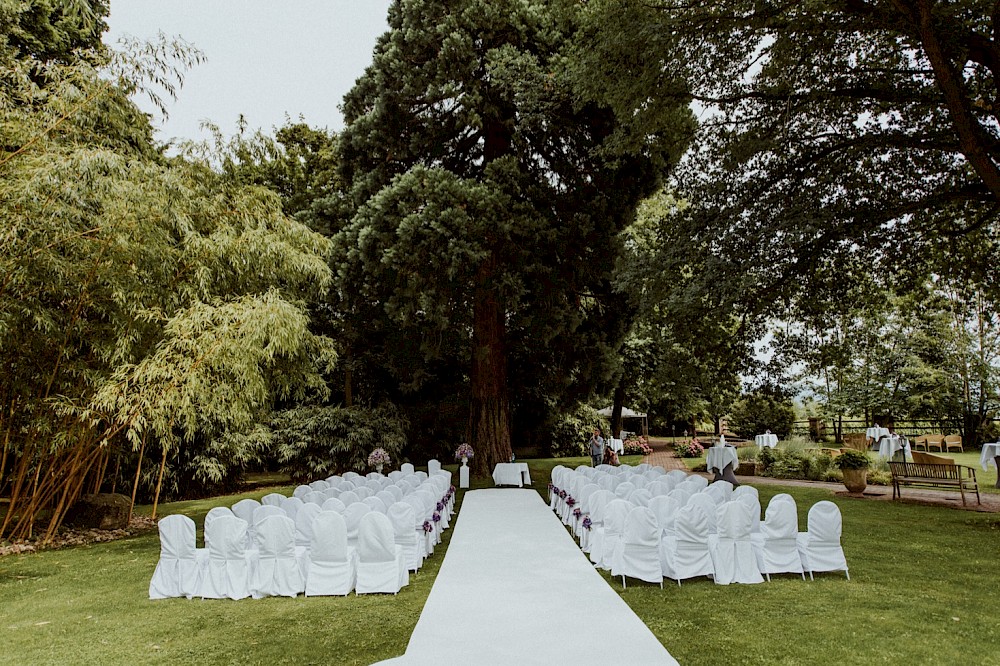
(570, 501)
(464, 451)
(562, 494)
(577, 512)
(436, 517)
(587, 523)
(440, 506)
(377, 457)
(428, 528)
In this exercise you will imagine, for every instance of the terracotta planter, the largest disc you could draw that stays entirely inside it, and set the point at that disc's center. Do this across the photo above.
(855, 480)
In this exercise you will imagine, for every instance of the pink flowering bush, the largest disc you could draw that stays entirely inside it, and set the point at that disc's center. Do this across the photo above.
(690, 448)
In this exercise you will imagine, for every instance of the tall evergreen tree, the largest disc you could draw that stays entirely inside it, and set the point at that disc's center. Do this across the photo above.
(489, 194)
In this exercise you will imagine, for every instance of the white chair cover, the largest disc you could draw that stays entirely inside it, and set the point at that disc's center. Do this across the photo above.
(433, 466)
(349, 497)
(316, 497)
(592, 541)
(334, 504)
(304, 524)
(584, 506)
(178, 570)
(406, 469)
(782, 497)
(213, 514)
(751, 502)
(300, 491)
(696, 482)
(381, 565)
(320, 484)
(420, 474)
(227, 572)
(614, 523)
(776, 544)
(661, 486)
(291, 506)
(623, 490)
(352, 517)
(640, 497)
(746, 490)
(244, 511)
(395, 491)
(678, 475)
(819, 547)
(687, 555)
(375, 504)
(421, 514)
(332, 568)
(362, 492)
(638, 553)
(665, 509)
(395, 475)
(272, 499)
(403, 519)
(351, 476)
(277, 572)
(682, 495)
(707, 505)
(722, 491)
(388, 498)
(732, 553)
(265, 510)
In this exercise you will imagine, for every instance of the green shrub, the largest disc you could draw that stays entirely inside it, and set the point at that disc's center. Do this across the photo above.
(569, 435)
(316, 442)
(851, 459)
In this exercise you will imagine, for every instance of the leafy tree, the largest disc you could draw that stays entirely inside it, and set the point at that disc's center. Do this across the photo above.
(755, 413)
(831, 130)
(489, 196)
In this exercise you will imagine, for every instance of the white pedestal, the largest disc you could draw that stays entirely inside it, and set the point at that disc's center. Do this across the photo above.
(463, 477)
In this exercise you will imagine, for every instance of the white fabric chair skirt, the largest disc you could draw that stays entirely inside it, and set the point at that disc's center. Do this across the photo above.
(381, 566)
(178, 571)
(277, 572)
(332, 568)
(732, 552)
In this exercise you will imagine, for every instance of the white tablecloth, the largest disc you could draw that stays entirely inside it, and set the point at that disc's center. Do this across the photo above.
(616, 445)
(511, 474)
(990, 451)
(769, 440)
(720, 456)
(875, 433)
(887, 446)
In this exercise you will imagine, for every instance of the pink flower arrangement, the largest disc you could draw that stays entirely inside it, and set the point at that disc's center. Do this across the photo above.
(464, 451)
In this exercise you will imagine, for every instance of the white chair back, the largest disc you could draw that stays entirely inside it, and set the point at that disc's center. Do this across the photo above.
(304, 523)
(291, 506)
(272, 499)
(277, 571)
(177, 573)
(265, 510)
(334, 504)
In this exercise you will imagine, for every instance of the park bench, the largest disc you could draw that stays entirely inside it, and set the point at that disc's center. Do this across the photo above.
(930, 471)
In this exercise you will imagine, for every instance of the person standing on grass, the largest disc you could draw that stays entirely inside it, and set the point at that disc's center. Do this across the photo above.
(596, 447)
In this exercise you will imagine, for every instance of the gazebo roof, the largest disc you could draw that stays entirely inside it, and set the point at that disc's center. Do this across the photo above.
(626, 413)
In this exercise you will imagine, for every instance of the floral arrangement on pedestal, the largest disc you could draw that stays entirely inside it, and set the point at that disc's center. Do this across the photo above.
(691, 448)
(464, 452)
(377, 458)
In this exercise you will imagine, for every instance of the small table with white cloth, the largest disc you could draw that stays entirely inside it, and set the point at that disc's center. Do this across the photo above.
(511, 474)
(875, 433)
(991, 456)
(770, 440)
(891, 444)
(723, 460)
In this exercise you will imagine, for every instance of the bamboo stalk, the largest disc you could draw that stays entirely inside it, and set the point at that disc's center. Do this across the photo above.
(159, 481)
(138, 468)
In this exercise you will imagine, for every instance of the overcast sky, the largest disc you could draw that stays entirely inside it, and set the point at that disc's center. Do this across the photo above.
(265, 58)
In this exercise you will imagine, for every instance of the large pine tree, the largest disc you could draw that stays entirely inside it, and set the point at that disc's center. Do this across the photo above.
(489, 194)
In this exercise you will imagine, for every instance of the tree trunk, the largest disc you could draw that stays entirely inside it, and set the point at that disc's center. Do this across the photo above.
(616, 409)
(489, 411)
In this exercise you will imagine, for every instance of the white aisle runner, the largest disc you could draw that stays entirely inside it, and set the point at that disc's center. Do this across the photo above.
(515, 589)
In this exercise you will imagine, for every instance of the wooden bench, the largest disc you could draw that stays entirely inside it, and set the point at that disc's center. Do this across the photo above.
(930, 471)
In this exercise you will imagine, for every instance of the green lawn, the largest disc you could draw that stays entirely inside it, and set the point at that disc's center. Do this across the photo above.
(918, 593)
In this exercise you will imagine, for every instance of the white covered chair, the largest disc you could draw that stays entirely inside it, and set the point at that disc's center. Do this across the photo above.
(819, 547)
(695, 483)
(265, 510)
(593, 539)
(638, 553)
(682, 495)
(388, 499)
(614, 523)
(291, 506)
(178, 571)
(665, 509)
(352, 517)
(745, 490)
(751, 502)
(584, 506)
(362, 492)
(272, 499)
(721, 491)
(332, 567)
(349, 497)
(707, 505)
(421, 516)
(640, 497)
(406, 469)
(660, 486)
(320, 484)
(304, 524)
(687, 554)
(732, 552)
(678, 475)
(776, 545)
(624, 489)
(403, 519)
(213, 514)
(381, 563)
(277, 572)
(227, 573)
(433, 466)
(395, 491)
(300, 491)
(334, 504)
(316, 497)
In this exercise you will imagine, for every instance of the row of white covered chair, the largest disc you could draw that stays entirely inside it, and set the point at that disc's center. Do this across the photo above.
(697, 529)
(335, 548)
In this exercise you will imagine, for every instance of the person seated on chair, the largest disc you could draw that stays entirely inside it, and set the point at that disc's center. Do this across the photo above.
(610, 456)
